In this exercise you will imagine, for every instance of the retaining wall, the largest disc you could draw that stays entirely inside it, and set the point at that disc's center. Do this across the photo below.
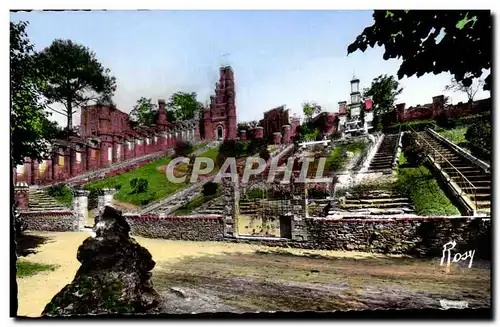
(415, 236)
(187, 228)
(51, 221)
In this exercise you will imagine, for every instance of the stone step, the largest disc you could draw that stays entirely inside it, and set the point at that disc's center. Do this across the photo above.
(480, 196)
(377, 200)
(483, 204)
(378, 205)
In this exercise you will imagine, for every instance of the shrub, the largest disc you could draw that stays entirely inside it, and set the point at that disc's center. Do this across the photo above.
(139, 185)
(61, 192)
(264, 154)
(479, 134)
(182, 148)
(255, 193)
(148, 200)
(209, 188)
(240, 148)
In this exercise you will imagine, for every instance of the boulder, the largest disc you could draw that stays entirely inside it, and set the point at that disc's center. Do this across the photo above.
(114, 276)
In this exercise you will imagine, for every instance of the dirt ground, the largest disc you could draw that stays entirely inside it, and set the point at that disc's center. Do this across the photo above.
(216, 276)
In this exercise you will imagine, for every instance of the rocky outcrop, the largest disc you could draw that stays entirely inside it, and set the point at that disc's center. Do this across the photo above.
(114, 276)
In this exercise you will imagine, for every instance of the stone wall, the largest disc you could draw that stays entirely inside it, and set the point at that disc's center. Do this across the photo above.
(186, 228)
(415, 236)
(53, 221)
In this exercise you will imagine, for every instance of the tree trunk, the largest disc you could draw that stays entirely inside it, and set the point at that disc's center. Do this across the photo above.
(13, 256)
(70, 130)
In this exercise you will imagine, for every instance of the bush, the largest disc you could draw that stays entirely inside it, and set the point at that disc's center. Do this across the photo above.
(61, 192)
(479, 134)
(182, 148)
(139, 185)
(413, 151)
(148, 200)
(264, 154)
(256, 193)
(209, 189)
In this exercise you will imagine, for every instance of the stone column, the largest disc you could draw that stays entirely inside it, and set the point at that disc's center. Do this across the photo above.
(277, 138)
(298, 193)
(108, 195)
(21, 195)
(231, 200)
(259, 132)
(81, 208)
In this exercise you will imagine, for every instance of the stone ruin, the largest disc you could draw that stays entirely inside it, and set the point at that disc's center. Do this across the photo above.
(114, 276)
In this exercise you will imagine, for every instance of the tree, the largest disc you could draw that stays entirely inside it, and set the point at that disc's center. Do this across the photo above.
(456, 86)
(183, 106)
(144, 112)
(26, 122)
(454, 41)
(247, 125)
(383, 91)
(310, 109)
(74, 77)
(27, 108)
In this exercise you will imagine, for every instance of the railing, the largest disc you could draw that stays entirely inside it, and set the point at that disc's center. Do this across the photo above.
(454, 173)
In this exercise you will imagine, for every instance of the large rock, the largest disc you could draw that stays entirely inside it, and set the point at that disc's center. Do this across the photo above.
(114, 276)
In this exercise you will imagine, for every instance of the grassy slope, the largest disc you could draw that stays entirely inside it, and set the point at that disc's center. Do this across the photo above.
(336, 161)
(455, 135)
(424, 190)
(159, 186)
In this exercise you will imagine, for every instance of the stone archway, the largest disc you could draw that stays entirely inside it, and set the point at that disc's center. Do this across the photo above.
(220, 132)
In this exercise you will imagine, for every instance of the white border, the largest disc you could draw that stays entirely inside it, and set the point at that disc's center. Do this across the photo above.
(191, 4)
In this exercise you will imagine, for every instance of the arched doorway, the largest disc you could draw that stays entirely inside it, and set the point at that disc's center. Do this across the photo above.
(220, 133)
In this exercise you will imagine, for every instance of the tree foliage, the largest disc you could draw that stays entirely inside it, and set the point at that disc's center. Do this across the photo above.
(144, 112)
(433, 41)
(183, 106)
(310, 109)
(74, 77)
(384, 91)
(247, 125)
(27, 108)
(470, 91)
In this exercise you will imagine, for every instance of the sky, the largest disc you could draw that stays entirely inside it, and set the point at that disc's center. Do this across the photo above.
(278, 57)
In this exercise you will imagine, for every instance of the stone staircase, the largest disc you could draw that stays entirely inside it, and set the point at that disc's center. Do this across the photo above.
(214, 207)
(450, 161)
(39, 200)
(373, 203)
(383, 161)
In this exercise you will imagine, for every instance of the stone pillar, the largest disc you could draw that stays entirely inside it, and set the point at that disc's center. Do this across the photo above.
(277, 138)
(21, 196)
(299, 206)
(81, 208)
(259, 132)
(286, 134)
(108, 195)
(231, 200)
(243, 135)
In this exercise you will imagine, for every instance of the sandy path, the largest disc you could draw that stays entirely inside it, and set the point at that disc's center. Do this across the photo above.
(36, 291)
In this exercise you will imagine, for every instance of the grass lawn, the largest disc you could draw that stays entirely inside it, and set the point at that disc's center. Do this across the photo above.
(424, 190)
(26, 268)
(455, 135)
(158, 184)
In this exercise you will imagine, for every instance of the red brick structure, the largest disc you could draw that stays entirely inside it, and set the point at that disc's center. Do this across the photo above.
(438, 107)
(105, 137)
(219, 119)
(278, 120)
